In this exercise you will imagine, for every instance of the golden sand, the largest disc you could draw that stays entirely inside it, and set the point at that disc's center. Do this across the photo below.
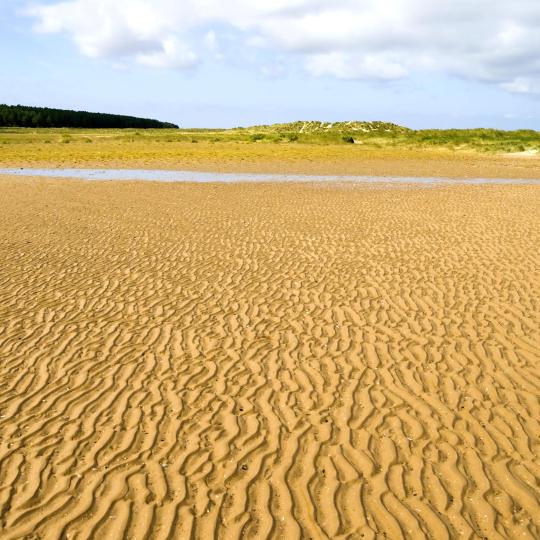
(270, 158)
(268, 361)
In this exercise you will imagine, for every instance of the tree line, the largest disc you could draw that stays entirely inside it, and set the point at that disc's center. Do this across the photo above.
(23, 116)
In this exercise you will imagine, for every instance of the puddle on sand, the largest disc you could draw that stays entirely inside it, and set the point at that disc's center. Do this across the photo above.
(199, 176)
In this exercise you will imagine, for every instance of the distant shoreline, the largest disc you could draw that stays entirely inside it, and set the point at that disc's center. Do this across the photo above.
(257, 159)
(273, 152)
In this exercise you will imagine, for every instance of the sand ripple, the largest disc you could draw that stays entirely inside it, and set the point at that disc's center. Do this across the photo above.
(258, 361)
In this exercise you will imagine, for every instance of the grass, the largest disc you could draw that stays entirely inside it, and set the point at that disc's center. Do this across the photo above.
(375, 135)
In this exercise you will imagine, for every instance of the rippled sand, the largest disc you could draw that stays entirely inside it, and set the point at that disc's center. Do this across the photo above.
(268, 361)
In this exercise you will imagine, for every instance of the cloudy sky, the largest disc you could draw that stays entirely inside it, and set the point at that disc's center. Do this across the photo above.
(422, 63)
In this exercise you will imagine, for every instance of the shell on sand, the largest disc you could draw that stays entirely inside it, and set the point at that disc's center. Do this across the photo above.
(268, 361)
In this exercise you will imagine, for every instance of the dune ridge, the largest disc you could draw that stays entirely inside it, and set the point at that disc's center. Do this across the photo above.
(268, 361)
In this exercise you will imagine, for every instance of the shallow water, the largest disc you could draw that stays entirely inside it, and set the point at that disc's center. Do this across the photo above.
(198, 176)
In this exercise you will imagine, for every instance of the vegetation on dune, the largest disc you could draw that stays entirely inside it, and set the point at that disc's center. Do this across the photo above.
(310, 127)
(385, 134)
(43, 117)
(377, 135)
(296, 141)
(477, 139)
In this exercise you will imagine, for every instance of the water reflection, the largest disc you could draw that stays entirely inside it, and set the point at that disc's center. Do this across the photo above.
(199, 176)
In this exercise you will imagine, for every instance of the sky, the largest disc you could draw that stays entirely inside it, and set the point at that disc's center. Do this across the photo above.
(226, 63)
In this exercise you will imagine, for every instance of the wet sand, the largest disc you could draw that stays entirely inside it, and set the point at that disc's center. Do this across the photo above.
(166, 175)
(268, 361)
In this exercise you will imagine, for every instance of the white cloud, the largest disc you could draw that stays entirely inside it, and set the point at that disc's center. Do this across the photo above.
(210, 40)
(493, 41)
(355, 66)
(522, 85)
(273, 70)
(174, 55)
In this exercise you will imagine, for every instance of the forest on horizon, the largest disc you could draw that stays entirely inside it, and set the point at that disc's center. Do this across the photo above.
(44, 117)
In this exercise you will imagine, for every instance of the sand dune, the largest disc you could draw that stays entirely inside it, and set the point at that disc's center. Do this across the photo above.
(268, 361)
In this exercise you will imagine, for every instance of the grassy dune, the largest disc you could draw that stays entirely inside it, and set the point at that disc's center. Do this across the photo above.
(371, 134)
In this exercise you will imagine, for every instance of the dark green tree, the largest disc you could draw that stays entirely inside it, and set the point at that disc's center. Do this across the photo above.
(23, 116)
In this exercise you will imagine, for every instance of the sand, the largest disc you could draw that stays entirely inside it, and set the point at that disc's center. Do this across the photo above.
(268, 361)
(291, 158)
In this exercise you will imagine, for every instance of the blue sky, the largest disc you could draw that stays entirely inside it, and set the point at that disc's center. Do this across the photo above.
(199, 64)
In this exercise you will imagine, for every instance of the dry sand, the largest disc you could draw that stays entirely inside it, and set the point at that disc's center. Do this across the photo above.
(272, 158)
(268, 361)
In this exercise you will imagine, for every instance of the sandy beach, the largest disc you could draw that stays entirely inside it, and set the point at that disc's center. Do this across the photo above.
(294, 158)
(287, 361)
